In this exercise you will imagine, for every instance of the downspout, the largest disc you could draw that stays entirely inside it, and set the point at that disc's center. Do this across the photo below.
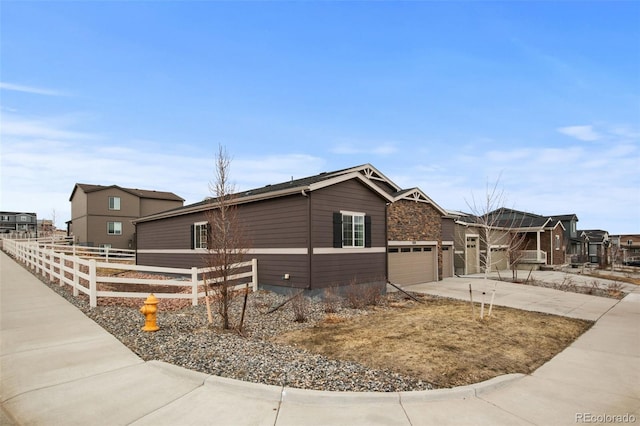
(386, 243)
(309, 245)
(551, 241)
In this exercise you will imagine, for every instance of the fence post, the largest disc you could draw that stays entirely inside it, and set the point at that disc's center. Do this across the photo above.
(52, 259)
(107, 254)
(34, 258)
(93, 290)
(76, 277)
(254, 274)
(61, 277)
(194, 286)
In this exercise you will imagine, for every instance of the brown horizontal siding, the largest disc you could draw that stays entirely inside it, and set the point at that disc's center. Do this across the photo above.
(169, 233)
(171, 260)
(276, 223)
(448, 233)
(271, 268)
(332, 270)
(353, 196)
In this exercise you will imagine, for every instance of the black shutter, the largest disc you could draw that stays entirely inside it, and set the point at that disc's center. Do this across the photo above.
(367, 231)
(193, 234)
(337, 230)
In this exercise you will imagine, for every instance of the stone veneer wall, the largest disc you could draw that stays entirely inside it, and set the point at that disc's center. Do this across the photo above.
(413, 221)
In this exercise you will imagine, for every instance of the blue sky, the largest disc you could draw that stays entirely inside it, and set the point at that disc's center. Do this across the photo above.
(446, 96)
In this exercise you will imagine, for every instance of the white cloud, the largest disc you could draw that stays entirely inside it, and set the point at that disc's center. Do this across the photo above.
(30, 89)
(42, 160)
(361, 147)
(50, 128)
(583, 133)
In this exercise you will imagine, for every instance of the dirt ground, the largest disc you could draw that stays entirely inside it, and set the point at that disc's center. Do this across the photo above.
(440, 342)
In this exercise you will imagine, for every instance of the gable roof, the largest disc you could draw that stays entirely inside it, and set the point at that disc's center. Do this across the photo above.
(566, 217)
(594, 235)
(294, 186)
(416, 194)
(506, 218)
(142, 193)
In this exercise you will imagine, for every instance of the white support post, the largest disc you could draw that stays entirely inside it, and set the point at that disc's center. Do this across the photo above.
(93, 290)
(76, 277)
(61, 269)
(107, 254)
(51, 263)
(194, 286)
(254, 274)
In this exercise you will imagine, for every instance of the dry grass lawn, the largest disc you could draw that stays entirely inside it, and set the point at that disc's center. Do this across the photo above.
(439, 342)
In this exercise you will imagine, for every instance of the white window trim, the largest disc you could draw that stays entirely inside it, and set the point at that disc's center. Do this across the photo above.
(113, 197)
(114, 228)
(353, 214)
(195, 234)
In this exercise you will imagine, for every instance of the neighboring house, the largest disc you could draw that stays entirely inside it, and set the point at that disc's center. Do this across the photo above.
(101, 216)
(329, 230)
(574, 244)
(597, 243)
(45, 227)
(19, 224)
(514, 237)
(625, 249)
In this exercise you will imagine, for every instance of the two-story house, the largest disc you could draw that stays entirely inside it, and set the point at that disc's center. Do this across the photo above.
(101, 216)
(625, 249)
(19, 224)
(597, 243)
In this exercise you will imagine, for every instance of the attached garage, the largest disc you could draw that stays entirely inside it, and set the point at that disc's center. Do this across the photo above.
(413, 265)
(499, 259)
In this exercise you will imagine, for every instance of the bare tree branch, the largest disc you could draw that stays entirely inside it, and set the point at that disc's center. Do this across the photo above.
(226, 241)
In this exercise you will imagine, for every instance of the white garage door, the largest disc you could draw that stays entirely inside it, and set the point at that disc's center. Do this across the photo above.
(499, 259)
(412, 265)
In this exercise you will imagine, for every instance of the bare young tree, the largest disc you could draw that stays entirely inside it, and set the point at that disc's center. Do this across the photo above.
(517, 242)
(498, 228)
(494, 198)
(226, 242)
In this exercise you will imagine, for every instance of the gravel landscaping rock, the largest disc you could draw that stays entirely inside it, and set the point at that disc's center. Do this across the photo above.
(186, 339)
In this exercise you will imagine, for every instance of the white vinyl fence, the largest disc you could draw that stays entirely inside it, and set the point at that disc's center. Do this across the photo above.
(80, 271)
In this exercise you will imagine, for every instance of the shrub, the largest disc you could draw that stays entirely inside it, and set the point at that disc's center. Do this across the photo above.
(331, 300)
(358, 296)
(300, 307)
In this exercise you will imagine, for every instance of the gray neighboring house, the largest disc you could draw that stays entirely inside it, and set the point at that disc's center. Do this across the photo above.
(597, 243)
(574, 250)
(19, 224)
(101, 216)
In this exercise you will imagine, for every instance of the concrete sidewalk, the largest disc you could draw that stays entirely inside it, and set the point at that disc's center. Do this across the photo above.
(529, 298)
(59, 367)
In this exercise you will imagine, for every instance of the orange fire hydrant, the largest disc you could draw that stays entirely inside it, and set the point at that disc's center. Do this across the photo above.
(149, 311)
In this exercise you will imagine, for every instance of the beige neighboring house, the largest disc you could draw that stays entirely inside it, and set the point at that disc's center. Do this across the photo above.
(101, 216)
